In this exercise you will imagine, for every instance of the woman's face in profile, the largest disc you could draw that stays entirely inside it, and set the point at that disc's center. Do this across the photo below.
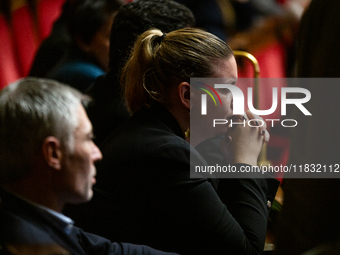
(202, 125)
(100, 44)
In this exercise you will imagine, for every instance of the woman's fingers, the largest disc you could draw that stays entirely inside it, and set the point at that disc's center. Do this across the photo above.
(244, 139)
(258, 121)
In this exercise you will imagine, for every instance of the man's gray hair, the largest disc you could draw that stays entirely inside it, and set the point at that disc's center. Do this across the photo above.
(32, 109)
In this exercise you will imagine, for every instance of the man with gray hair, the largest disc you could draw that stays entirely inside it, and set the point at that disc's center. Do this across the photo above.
(47, 159)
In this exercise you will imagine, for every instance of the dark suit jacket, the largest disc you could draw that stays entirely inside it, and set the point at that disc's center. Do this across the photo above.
(22, 223)
(145, 195)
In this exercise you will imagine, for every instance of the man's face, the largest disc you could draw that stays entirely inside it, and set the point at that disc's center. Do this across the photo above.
(78, 170)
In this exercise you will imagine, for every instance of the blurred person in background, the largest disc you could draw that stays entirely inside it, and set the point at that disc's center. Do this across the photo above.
(224, 18)
(90, 24)
(53, 48)
(310, 216)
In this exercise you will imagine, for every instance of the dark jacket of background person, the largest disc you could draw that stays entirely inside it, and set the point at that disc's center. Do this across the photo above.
(318, 42)
(208, 16)
(310, 215)
(145, 194)
(76, 70)
(224, 18)
(108, 110)
(24, 223)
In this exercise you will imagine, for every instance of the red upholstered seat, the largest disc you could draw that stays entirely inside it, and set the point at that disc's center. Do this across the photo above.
(9, 71)
(25, 34)
(20, 37)
(48, 11)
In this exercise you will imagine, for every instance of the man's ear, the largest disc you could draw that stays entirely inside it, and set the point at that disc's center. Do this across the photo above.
(184, 94)
(52, 152)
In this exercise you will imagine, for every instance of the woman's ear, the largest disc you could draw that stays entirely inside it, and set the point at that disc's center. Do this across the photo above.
(184, 94)
(52, 152)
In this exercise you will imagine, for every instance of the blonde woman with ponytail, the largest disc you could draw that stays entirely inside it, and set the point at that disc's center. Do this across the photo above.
(146, 167)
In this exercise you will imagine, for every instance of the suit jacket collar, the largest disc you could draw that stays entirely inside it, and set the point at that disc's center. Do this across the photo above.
(35, 216)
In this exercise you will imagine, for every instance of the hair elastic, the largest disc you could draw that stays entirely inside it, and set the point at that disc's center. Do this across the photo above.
(162, 37)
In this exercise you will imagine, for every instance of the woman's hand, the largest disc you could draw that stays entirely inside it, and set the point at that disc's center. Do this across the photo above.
(243, 144)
